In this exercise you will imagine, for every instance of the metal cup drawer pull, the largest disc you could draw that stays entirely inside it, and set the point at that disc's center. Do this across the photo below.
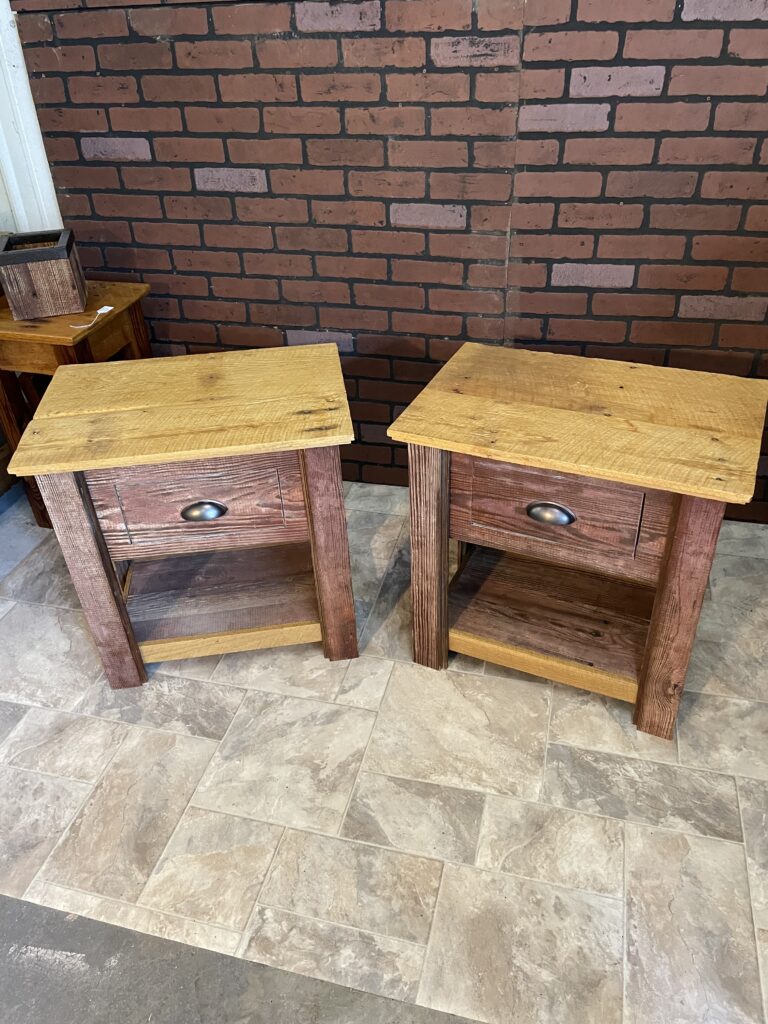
(203, 511)
(550, 514)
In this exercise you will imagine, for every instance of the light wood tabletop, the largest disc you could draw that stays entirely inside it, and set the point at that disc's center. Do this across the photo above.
(685, 431)
(186, 407)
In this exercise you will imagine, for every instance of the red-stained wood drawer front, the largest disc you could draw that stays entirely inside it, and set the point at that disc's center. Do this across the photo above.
(617, 528)
(139, 507)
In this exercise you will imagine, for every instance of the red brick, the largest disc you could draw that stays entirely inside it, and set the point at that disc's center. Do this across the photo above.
(626, 10)
(292, 316)
(546, 12)
(264, 151)
(632, 304)
(277, 264)
(558, 183)
(564, 117)
(319, 16)
(157, 179)
(568, 303)
(230, 179)
(641, 247)
(529, 151)
(552, 246)
(410, 243)
(214, 53)
(351, 267)
(178, 88)
(398, 296)
(741, 117)
(428, 15)
(307, 182)
(36, 28)
(338, 87)
(176, 284)
(72, 119)
(540, 83)
(197, 207)
(297, 53)
(137, 259)
(237, 236)
(493, 15)
(115, 148)
(682, 278)
(426, 271)
(164, 233)
(464, 300)
(206, 260)
(673, 44)
(396, 184)
(84, 25)
(662, 332)
(714, 80)
(497, 154)
(427, 154)
(592, 275)
(568, 46)
(377, 344)
(222, 120)
(475, 51)
(639, 355)
(703, 217)
(253, 87)
(587, 330)
(145, 119)
(316, 291)
(187, 150)
(170, 21)
(251, 19)
(662, 117)
(132, 56)
(384, 120)
(60, 150)
(346, 152)
(102, 231)
(486, 328)
(307, 120)
(714, 362)
(47, 90)
(468, 120)
(743, 336)
(427, 88)
(268, 211)
(525, 216)
(609, 151)
(383, 53)
(426, 323)
(709, 150)
(723, 307)
(349, 212)
(749, 279)
(488, 275)
(413, 371)
(88, 177)
(499, 218)
(74, 206)
(200, 309)
(60, 58)
(662, 184)
(470, 186)
(600, 215)
(617, 81)
(735, 185)
(469, 247)
(200, 334)
(428, 215)
(312, 239)
(353, 318)
(360, 366)
(748, 43)
(250, 336)
(730, 10)
(757, 219)
(112, 89)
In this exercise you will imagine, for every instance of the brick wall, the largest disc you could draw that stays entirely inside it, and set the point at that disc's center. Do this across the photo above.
(282, 173)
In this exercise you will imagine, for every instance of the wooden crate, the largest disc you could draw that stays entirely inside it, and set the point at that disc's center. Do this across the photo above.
(41, 275)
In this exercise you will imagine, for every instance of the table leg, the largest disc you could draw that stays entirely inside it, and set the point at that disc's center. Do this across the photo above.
(324, 495)
(676, 609)
(93, 575)
(428, 470)
(139, 346)
(14, 416)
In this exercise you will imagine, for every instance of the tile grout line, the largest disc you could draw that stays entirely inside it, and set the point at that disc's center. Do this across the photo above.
(244, 934)
(389, 567)
(625, 922)
(762, 982)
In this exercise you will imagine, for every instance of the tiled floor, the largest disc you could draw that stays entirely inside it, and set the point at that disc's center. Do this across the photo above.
(473, 841)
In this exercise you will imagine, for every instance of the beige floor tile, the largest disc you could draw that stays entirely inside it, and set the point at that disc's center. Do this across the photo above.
(724, 734)
(48, 656)
(19, 534)
(34, 812)
(287, 760)
(118, 836)
(654, 794)
(762, 954)
(138, 919)
(364, 684)
(5, 607)
(384, 498)
(507, 949)
(458, 729)
(583, 719)
(551, 844)
(41, 578)
(346, 956)
(300, 671)
(212, 868)
(185, 706)
(387, 633)
(10, 716)
(186, 668)
(60, 743)
(419, 817)
(748, 539)
(728, 669)
(353, 884)
(753, 800)
(690, 942)
(372, 540)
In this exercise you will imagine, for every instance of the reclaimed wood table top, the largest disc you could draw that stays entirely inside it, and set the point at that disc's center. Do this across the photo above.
(141, 412)
(675, 430)
(70, 328)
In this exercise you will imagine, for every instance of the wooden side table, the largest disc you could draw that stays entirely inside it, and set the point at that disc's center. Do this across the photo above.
(40, 346)
(587, 497)
(198, 502)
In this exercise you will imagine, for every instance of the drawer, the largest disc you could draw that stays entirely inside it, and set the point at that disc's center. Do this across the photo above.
(140, 508)
(601, 524)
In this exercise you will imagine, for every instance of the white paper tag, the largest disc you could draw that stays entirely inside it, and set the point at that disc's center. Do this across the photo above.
(99, 311)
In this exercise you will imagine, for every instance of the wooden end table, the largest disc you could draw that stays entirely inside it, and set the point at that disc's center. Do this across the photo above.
(587, 496)
(30, 347)
(198, 502)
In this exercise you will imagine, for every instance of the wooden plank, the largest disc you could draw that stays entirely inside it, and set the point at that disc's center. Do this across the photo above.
(324, 496)
(428, 470)
(143, 411)
(666, 429)
(228, 643)
(683, 583)
(59, 330)
(93, 575)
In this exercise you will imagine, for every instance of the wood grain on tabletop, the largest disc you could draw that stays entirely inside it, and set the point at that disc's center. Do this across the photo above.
(70, 328)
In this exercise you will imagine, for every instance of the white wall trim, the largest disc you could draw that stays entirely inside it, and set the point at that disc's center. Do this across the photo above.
(23, 162)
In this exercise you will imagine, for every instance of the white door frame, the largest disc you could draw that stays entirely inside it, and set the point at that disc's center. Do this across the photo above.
(23, 162)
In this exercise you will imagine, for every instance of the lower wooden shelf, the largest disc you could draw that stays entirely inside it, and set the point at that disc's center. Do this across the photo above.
(563, 624)
(187, 606)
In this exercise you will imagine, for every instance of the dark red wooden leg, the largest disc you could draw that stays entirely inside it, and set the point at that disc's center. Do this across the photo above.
(428, 470)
